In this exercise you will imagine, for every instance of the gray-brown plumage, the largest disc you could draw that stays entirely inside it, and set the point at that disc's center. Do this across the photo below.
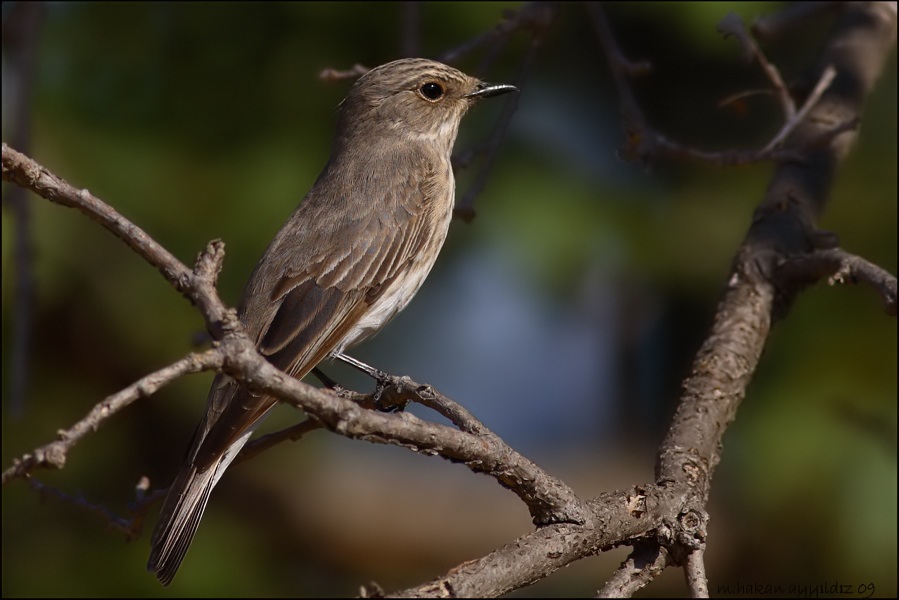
(351, 256)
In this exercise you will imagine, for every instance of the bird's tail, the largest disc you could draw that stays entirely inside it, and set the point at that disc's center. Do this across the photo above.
(179, 520)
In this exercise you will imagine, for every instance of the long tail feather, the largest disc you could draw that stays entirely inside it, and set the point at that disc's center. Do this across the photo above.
(180, 518)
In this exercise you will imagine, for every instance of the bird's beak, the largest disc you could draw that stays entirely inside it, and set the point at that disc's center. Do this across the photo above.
(488, 90)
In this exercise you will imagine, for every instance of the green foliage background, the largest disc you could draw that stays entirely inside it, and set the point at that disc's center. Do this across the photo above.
(199, 121)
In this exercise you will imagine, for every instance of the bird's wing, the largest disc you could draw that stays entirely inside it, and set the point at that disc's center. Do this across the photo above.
(316, 299)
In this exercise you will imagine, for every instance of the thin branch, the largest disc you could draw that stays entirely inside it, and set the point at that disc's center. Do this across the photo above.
(732, 26)
(333, 75)
(644, 564)
(531, 16)
(774, 26)
(407, 390)
(644, 142)
(54, 454)
(794, 120)
(411, 19)
(536, 18)
(694, 571)
(130, 527)
(840, 266)
(270, 440)
(464, 207)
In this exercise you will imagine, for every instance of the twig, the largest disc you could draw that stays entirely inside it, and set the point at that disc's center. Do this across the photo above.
(464, 207)
(411, 39)
(694, 571)
(732, 26)
(839, 266)
(270, 440)
(334, 75)
(776, 25)
(130, 527)
(54, 454)
(795, 119)
(644, 142)
(433, 399)
(533, 16)
(644, 564)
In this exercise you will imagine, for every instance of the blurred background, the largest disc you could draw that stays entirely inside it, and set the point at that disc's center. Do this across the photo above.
(564, 315)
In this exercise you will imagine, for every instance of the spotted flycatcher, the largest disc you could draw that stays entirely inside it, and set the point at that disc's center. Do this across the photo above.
(350, 257)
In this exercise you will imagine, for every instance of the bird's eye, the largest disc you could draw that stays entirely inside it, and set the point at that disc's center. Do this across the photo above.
(432, 91)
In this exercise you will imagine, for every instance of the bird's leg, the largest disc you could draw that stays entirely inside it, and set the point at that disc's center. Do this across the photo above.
(372, 372)
(325, 380)
(367, 401)
(383, 381)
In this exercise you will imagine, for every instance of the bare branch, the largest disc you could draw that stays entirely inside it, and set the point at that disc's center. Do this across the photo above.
(839, 266)
(270, 440)
(411, 42)
(465, 207)
(532, 16)
(794, 119)
(732, 26)
(130, 527)
(426, 395)
(644, 564)
(794, 16)
(333, 75)
(54, 454)
(694, 571)
(645, 143)
(616, 516)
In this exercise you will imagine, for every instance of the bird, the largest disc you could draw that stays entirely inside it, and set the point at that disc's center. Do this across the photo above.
(351, 256)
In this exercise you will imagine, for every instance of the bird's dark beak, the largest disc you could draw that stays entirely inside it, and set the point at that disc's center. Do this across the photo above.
(488, 90)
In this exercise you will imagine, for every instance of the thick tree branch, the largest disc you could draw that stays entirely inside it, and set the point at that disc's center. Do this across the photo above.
(783, 228)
